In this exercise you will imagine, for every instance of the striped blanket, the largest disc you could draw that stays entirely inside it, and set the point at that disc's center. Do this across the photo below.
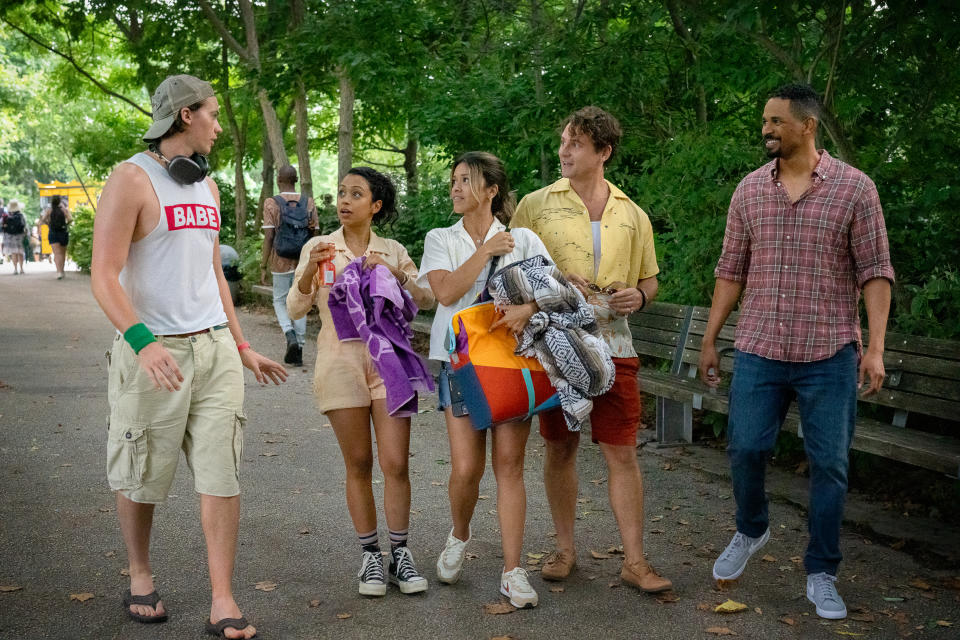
(563, 335)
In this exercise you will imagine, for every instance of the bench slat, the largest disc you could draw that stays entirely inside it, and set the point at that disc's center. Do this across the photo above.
(931, 451)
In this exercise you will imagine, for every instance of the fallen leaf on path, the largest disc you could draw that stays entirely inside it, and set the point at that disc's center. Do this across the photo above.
(615, 550)
(703, 606)
(899, 544)
(850, 633)
(599, 556)
(109, 554)
(314, 604)
(666, 466)
(801, 468)
(720, 631)
(656, 530)
(503, 638)
(683, 522)
(951, 583)
(482, 497)
(730, 606)
(268, 454)
(105, 509)
(265, 585)
(863, 617)
(768, 558)
(535, 556)
(470, 555)
(304, 531)
(944, 623)
(436, 483)
(7, 588)
(598, 481)
(344, 616)
(920, 584)
(498, 608)
(893, 599)
(533, 561)
(613, 585)
(125, 571)
(557, 589)
(796, 559)
(758, 610)
(667, 597)
(723, 585)
(787, 620)
(656, 518)
(81, 597)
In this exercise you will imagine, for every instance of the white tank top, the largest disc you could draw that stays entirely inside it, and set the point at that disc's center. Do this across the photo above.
(169, 274)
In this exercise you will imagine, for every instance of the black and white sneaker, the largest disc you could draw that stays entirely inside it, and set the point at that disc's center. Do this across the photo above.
(403, 573)
(371, 575)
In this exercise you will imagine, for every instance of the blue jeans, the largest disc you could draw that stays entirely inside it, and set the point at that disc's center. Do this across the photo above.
(281, 285)
(826, 395)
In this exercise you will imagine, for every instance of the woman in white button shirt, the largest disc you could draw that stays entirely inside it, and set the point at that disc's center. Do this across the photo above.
(456, 263)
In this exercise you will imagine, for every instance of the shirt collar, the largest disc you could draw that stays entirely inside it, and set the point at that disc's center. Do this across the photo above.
(494, 229)
(823, 169)
(563, 184)
(376, 244)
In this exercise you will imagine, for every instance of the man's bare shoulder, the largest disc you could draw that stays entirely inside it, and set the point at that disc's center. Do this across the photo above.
(127, 183)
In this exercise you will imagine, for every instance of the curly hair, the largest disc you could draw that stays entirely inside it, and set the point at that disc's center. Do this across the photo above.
(602, 128)
(382, 189)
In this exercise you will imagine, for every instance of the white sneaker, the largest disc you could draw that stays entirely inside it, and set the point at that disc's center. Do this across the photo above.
(403, 572)
(515, 584)
(822, 592)
(733, 560)
(371, 575)
(450, 562)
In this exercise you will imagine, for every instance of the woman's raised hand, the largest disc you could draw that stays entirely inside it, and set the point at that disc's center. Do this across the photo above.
(499, 245)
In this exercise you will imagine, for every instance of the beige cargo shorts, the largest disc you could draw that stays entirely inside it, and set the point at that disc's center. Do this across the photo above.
(148, 427)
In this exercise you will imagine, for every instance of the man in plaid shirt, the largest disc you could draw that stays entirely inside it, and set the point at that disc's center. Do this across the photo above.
(805, 235)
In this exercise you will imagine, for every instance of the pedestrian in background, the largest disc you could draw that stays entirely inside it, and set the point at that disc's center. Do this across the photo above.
(57, 217)
(289, 220)
(14, 228)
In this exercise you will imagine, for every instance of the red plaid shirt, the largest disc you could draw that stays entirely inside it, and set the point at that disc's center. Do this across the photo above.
(803, 263)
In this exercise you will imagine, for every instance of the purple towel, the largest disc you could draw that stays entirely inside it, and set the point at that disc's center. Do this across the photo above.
(370, 305)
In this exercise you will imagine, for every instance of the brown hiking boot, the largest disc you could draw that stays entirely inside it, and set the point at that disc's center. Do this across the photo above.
(642, 576)
(558, 565)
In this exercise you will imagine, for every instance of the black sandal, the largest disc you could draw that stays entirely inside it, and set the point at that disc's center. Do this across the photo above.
(228, 623)
(149, 600)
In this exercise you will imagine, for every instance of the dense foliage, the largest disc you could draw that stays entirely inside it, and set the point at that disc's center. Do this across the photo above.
(433, 78)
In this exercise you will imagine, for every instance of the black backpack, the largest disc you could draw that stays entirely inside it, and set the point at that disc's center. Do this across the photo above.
(14, 224)
(292, 232)
(58, 220)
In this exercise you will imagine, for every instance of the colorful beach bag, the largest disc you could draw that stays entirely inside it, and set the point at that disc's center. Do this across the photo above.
(496, 385)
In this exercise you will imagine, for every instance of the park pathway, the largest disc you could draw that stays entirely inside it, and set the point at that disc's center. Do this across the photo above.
(61, 555)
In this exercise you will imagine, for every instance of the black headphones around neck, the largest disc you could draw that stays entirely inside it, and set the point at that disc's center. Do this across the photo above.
(185, 170)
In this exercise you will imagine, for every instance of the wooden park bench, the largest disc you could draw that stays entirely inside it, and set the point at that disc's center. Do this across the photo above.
(923, 379)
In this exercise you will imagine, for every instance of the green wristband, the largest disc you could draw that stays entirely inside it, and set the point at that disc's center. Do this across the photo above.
(138, 336)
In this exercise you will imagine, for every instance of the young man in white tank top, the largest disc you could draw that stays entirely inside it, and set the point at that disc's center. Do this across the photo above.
(175, 367)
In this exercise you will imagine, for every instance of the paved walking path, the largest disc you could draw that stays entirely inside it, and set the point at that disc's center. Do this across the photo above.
(59, 535)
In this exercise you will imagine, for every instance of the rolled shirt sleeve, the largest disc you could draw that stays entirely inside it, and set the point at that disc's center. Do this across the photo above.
(734, 259)
(868, 238)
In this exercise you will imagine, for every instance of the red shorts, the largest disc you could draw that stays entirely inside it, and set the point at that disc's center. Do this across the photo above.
(615, 416)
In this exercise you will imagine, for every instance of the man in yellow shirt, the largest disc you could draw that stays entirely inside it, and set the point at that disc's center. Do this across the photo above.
(603, 242)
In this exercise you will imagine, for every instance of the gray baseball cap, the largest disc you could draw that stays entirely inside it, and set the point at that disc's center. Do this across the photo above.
(173, 94)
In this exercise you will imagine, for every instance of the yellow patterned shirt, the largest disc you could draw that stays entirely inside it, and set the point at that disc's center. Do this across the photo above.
(627, 254)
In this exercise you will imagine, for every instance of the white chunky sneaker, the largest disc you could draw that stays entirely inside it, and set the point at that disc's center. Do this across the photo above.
(371, 575)
(450, 562)
(515, 584)
(403, 573)
(733, 560)
(822, 592)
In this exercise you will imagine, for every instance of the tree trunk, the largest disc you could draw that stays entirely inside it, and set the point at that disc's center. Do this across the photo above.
(693, 59)
(303, 140)
(410, 165)
(239, 151)
(298, 10)
(274, 131)
(345, 128)
(536, 20)
(266, 176)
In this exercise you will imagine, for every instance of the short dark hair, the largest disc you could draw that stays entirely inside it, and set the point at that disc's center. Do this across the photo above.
(287, 174)
(382, 189)
(604, 130)
(178, 126)
(804, 101)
